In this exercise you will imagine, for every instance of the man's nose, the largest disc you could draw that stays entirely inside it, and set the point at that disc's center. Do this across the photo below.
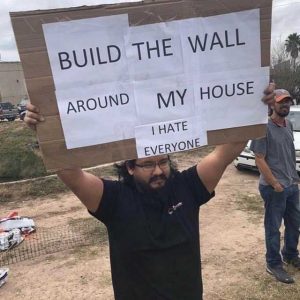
(157, 170)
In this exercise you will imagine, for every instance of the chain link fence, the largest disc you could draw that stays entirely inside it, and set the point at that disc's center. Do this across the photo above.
(50, 240)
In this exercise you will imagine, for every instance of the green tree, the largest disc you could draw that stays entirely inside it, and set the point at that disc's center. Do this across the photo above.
(283, 73)
(292, 47)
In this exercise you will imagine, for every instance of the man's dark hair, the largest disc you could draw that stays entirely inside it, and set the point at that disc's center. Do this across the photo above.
(126, 178)
(122, 171)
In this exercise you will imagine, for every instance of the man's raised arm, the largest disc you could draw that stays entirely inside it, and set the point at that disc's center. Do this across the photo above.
(211, 168)
(87, 187)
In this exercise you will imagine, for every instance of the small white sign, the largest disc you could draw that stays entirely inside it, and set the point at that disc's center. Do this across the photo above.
(167, 137)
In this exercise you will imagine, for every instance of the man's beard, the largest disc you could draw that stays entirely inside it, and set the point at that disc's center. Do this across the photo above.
(282, 114)
(146, 187)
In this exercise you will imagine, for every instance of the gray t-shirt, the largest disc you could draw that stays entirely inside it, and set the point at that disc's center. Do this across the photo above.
(279, 151)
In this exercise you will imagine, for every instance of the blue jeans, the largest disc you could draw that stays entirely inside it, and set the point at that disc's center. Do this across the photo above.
(278, 206)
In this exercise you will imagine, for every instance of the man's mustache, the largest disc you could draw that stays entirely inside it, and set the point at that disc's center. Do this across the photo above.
(285, 106)
(157, 177)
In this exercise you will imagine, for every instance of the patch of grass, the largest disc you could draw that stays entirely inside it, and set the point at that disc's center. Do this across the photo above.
(90, 228)
(31, 189)
(85, 252)
(93, 227)
(263, 287)
(251, 203)
(19, 156)
(49, 258)
(5, 196)
(104, 172)
(45, 187)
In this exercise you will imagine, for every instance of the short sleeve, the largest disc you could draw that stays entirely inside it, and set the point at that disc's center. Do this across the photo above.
(198, 189)
(290, 126)
(259, 146)
(108, 203)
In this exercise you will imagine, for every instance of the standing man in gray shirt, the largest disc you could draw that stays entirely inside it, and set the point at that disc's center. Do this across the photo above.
(278, 186)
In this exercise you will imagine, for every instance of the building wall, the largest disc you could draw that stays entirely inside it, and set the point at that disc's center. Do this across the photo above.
(12, 82)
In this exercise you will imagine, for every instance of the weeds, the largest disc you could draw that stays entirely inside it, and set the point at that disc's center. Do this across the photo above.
(251, 203)
(45, 187)
(42, 187)
(19, 156)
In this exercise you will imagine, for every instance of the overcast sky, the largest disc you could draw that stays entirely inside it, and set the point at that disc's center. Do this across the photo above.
(285, 19)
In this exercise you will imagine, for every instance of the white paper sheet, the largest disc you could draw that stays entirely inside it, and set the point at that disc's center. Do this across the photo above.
(97, 115)
(88, 51)
(239, 104)
(164, 99)
(167, 137)
(154, 51)
(221, 43)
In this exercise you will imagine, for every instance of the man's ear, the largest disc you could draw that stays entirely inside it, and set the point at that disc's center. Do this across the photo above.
(129, 169)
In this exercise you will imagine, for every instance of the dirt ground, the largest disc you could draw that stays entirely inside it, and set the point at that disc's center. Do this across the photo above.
(232, 250)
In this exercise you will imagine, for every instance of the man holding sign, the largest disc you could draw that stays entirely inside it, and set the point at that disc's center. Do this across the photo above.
(152, 218)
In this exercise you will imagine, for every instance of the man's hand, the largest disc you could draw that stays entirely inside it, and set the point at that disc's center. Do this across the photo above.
(269, 95)
(277, 187)
(32, 117)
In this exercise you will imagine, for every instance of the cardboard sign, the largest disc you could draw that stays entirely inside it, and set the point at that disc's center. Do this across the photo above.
(165, 76)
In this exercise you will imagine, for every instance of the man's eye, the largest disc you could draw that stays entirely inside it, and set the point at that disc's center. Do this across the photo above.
(148, 166)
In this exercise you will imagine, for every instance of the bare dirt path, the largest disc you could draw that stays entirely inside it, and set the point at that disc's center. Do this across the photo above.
(232, 249)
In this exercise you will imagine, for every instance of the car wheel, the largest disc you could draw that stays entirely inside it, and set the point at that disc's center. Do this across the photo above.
(239, 167)
(10, 119)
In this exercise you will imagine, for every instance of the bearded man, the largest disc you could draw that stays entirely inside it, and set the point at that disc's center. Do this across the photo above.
(152, 218)
(278, 185)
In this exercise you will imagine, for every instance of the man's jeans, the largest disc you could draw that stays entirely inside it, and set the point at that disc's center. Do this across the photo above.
(278, 206)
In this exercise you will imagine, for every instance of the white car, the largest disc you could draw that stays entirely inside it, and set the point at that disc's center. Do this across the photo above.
(246, 159)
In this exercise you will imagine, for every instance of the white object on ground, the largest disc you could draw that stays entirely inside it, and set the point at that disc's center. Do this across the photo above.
(15, 222)
(3, 275)
(10, 239)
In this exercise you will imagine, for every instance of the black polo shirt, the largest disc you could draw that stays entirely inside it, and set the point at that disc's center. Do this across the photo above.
(154, 238)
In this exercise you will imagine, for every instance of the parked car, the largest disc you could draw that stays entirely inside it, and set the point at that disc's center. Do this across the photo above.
(246, 159)
(8, 111)
(22, 108)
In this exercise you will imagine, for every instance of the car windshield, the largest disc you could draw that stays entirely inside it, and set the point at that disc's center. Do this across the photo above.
(294, 117)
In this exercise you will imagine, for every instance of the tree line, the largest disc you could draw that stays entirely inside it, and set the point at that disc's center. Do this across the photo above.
(285, 69)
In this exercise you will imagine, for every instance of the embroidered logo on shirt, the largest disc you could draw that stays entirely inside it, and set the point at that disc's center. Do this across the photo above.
(174, 207)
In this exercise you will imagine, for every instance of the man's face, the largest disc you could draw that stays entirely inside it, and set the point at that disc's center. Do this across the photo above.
(282, 108)
(151, 173)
